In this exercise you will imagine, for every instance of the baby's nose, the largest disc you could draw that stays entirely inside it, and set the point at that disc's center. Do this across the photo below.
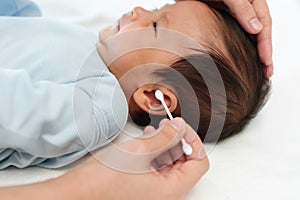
(140, 12)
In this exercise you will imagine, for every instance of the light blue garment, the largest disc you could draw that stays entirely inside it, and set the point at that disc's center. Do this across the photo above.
(18, 8)
(57, 98)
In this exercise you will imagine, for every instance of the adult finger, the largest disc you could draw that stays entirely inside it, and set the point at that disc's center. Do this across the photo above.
(244, 12)
(194, 140)
(164, 159)
(264, 38)
(177, 153)
(136, 155)
(171, 156)
(166, 137)
(197, 164)
(192, 171)
(148, 130)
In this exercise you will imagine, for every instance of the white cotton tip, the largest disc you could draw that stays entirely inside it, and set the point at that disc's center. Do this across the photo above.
(187, 149)
(159, 95)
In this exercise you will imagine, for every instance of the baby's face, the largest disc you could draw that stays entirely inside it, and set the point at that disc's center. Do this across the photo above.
(140, 31)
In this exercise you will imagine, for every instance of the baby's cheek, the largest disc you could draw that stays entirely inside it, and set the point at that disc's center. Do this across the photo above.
(106, 33)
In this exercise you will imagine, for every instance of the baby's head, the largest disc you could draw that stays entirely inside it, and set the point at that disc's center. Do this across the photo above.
(142, 70)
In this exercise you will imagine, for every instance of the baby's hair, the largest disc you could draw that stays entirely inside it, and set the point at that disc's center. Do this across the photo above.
(242, 72)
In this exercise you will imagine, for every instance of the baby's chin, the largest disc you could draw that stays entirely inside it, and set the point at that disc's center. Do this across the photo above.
(108, 32)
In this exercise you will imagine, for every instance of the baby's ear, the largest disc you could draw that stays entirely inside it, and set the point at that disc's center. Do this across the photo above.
(144, 97)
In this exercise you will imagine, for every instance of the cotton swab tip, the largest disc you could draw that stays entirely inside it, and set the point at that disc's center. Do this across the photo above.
(159, 95)
(187, 149)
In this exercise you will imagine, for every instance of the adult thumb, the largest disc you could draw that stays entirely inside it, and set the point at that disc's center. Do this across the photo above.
(245, 13)
(168, 135)
(136, 155)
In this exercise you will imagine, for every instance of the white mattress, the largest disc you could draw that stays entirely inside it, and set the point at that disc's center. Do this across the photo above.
(263, 162)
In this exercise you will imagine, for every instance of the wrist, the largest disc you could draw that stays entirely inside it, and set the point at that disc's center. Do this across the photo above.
(92, 180)
(51, 189)
(69, 186)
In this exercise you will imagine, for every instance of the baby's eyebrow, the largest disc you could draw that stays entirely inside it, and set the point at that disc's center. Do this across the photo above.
(166, 5)
(162, 15)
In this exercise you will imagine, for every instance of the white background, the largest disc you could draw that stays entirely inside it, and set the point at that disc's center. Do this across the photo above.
(263, 162)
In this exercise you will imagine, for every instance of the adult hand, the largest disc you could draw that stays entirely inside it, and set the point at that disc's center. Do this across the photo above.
(94, 180)
(169, 173)
(255, 18)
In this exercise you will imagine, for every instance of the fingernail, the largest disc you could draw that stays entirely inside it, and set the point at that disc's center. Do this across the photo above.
(255, 24)
(189, 137)
(202, 154)
(177, 123)
(162, 122)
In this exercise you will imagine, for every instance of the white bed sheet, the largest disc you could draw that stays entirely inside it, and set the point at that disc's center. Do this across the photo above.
(263, 162)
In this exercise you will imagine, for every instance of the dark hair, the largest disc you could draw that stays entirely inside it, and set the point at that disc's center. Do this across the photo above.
(242, 72)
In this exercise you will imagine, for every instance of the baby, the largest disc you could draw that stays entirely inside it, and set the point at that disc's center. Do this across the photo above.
(60, 98)
(231, 49)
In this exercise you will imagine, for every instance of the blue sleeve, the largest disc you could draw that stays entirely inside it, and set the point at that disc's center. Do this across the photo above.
(19, 8)
(48, 119)
(51, 113)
